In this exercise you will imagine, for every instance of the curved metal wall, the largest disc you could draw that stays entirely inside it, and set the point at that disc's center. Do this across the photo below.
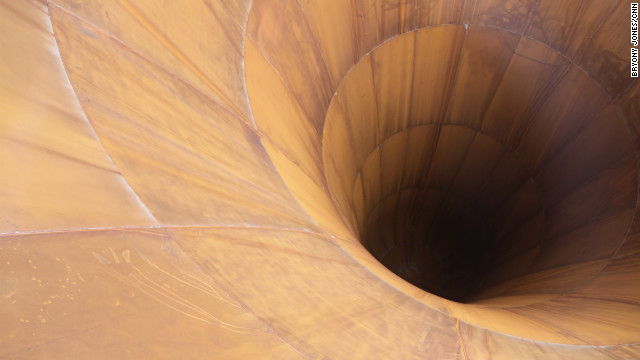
(198, 179)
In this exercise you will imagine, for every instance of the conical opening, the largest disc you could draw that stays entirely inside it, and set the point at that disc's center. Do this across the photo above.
(465, 188)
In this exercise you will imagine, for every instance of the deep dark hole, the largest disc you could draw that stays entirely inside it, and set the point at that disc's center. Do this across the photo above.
(435, 241)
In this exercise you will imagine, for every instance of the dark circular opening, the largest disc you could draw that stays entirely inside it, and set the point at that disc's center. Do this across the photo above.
(473, 186)
(444, 225)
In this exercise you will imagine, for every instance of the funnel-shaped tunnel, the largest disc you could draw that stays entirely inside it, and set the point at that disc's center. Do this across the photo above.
(462, 184)
(318, 179)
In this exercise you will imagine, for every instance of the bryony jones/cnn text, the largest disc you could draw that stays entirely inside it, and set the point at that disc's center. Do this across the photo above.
(634, 40)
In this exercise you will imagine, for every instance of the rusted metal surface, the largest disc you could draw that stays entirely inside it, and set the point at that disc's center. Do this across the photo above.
(237, 179)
